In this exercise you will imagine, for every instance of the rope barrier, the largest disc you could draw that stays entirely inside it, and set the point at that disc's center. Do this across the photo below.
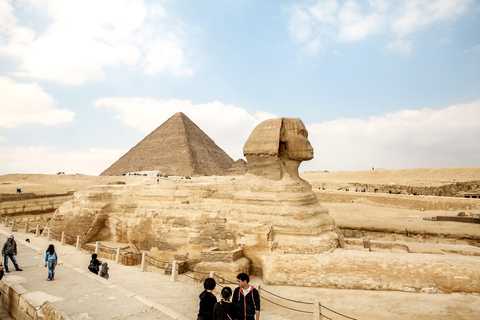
(158, 260)
(111, 248)
(263, 298)
(70, 237)
(196, 271)
(225, 279)
(310, 303)
(186, 275)
(155, 265)
(338, 313)
(326, 317)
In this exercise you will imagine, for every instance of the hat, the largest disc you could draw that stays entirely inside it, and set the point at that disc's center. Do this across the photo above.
(10, 236)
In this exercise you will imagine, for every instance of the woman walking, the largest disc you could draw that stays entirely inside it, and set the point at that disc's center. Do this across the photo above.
(51, 261)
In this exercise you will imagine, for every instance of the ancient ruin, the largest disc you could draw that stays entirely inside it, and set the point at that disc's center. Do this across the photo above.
(271, 214)
(177, 147)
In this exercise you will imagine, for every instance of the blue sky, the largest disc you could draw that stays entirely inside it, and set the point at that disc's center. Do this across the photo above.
(385, 84)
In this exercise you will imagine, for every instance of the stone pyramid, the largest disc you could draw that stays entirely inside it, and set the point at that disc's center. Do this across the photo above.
(177, 147)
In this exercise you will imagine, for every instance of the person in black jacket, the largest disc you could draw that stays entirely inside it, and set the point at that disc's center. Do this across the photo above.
(224, 309)
(207, 300)
(95, 264)
(247, 299)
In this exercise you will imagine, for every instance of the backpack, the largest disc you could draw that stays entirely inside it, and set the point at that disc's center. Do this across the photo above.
(92, 266)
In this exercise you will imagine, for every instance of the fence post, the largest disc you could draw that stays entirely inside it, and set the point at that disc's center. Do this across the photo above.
(78, 243)
(26, 227)
(259, 289)
(37, 231)
(118, 258)
(13, 224)
(49, 235)
(175, 270)
(144, 265)
(97, 247)
(6, 221)
(63, 238)
(212, 274)
(317, 310)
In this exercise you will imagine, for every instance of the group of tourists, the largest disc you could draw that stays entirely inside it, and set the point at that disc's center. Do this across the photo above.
(9, 251)
(245, 304)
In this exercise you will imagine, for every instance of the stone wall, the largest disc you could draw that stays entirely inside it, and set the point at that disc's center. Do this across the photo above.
(398, 200)
(346, 269)
(42, 205)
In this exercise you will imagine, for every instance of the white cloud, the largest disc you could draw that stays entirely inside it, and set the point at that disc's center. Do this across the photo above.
(404, 139)
(52, 160)
(475, 49)
(400, 46)
(86, 38)
(22, 103)
(355, 25)
(419, 13)
(318, 21)
(227, 125)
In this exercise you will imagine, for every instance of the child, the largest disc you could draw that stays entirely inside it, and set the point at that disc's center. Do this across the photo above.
(224, 309)
(51, 261)
(104, 271)
(94, 264)
(207, 300)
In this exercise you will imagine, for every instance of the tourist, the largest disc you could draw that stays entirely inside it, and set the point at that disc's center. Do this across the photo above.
(51, 261)
(9, 250)
(94, 264)
(207, 300)
(224, 309)
(247, 299)
(104, 271)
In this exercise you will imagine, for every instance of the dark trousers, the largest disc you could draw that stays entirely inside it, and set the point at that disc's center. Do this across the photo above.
(12, 257)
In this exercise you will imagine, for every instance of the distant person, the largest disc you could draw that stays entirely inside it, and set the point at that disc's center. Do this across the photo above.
(9, 250)
(207, 300)
(104, 271)
(246, 298)
(51, 261)
(95, 264)
(224, 309)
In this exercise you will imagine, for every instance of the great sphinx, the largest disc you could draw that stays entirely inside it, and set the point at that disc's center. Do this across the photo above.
(270, 209)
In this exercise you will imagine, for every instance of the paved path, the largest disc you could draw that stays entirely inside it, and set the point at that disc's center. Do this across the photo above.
(76, 291)
(131, 294)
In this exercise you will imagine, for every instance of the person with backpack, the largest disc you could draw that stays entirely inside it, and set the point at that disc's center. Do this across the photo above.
(224, 309)
(95, 264)
(51, 261)
(246, 298)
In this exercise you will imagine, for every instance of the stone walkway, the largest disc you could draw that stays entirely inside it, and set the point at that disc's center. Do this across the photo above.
(133, 295)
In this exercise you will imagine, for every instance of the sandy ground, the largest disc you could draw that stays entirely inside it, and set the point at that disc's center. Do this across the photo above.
(352, 303)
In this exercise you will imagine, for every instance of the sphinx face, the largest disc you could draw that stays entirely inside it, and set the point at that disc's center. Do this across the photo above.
(294, 144)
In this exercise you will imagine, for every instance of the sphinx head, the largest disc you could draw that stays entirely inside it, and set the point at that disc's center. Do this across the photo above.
(276, 147)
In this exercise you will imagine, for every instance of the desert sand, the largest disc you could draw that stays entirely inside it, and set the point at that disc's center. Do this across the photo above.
(354, 303)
